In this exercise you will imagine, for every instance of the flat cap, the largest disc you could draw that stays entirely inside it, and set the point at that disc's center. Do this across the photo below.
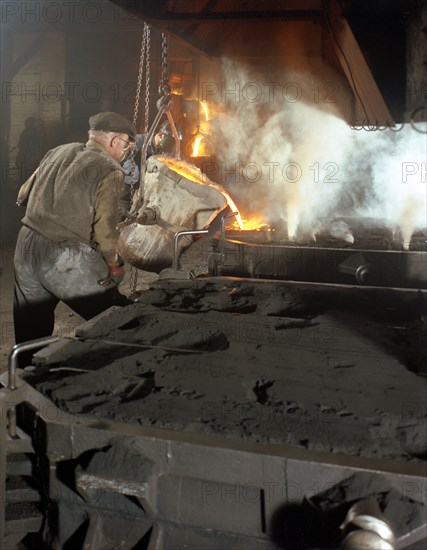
(112, 122)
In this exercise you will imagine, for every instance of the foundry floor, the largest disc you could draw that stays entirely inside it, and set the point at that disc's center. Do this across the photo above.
(355, 377)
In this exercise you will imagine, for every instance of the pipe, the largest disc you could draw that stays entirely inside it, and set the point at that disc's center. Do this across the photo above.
(25, 346)
(11, 383)
(175, 243)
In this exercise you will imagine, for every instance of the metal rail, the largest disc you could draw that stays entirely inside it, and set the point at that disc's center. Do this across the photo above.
(176, 239)
(25, 346)
(9, 399)
(11, 384)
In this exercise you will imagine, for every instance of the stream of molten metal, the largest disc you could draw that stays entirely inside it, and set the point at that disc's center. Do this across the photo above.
(205, 109)
(196, 146)
(234, 208)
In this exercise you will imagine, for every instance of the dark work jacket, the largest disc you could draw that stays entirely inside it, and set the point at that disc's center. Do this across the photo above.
(75, 195)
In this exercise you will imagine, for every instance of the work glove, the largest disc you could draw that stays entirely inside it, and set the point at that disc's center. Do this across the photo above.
(116, 275)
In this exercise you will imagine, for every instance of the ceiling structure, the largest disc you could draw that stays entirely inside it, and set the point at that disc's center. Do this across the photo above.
(356, 37)
(213, 26)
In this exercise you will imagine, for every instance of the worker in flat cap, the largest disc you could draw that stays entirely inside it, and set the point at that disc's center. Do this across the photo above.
(66, 249)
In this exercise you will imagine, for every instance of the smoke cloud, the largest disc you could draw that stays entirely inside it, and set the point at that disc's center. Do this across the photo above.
(301, 164)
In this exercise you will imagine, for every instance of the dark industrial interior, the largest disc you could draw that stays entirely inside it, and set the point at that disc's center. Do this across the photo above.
(265, 387)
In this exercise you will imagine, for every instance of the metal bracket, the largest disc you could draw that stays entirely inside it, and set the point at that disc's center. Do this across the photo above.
(164, 105)
(175, 135)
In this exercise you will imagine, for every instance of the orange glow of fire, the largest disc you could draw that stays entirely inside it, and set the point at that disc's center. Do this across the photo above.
(196, 146)
(205, 109)
(253, 223)
(198, 137)
(185, 169)
(193, 173)
(234, 208)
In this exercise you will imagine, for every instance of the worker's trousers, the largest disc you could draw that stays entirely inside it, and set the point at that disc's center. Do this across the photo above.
(47, 272)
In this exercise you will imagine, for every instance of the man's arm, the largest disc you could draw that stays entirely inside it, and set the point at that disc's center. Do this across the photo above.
(105, 233)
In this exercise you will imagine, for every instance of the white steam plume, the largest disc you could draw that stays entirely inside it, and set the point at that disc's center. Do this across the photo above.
(305, 165)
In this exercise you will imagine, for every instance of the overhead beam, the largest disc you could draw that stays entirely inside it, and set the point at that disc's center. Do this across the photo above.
(238, 15)
(157, 11)
(368, 96)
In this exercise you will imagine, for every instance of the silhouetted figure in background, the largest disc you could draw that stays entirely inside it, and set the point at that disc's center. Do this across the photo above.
(31, 148)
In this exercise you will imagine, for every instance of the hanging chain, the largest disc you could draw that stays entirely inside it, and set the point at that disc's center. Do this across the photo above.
(147, 83)
(165, 76)
(144, 59)
(133, 280)
(145, 35)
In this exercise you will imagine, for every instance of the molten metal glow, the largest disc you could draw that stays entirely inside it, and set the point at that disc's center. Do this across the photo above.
(251, 224)
(200, 147)
(186, 170)
(205, 109)
(196, 146)
(234, 208)
(193, 173)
